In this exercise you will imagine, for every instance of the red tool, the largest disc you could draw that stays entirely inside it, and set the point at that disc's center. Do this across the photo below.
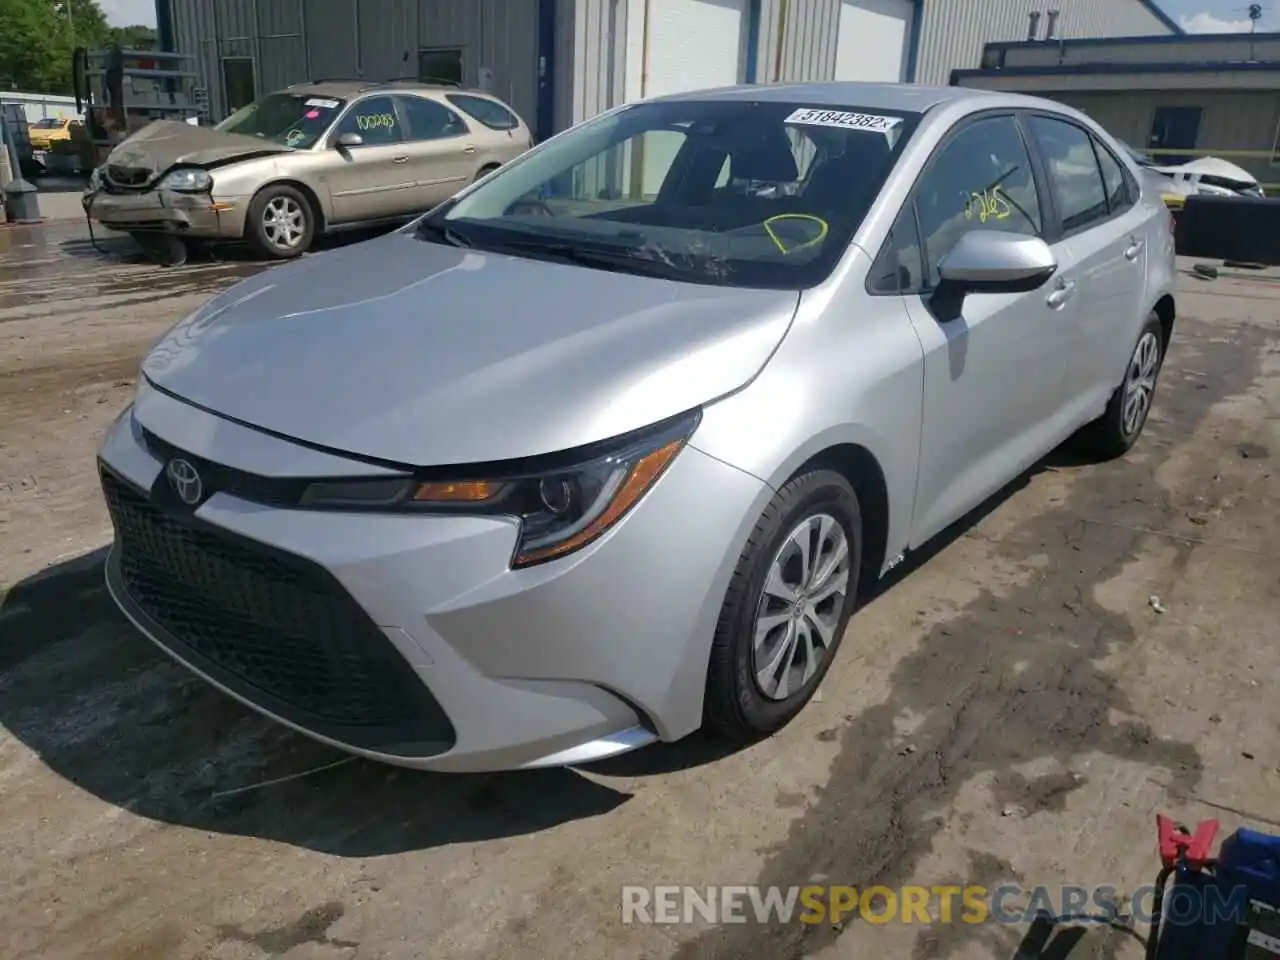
(1181, 849)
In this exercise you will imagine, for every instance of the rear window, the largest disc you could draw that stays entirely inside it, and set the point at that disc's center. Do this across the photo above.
(48, 123)
(483, 110)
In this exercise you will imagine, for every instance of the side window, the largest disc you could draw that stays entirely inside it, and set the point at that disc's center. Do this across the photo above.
(1074, 176)
(489, 112)
(1119, 197)
(375, 120)
(898, 268)
(980, 179)
(428, 120)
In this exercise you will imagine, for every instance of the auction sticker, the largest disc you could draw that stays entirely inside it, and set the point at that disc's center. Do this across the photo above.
(874, 123)
(322, 102)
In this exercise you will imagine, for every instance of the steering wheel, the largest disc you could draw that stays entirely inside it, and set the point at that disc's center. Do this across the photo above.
(530, 207)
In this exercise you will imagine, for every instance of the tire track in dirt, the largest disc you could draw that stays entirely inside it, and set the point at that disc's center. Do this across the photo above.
(1010, 680)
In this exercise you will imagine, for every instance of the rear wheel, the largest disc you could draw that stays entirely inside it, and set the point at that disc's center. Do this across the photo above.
(1117, 430)
(281, 222)
(786, 608)
(485, 171)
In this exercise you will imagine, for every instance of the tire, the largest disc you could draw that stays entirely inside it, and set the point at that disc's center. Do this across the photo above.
(281, 223)
(739, 705)
(1114, 433)
(485, 171)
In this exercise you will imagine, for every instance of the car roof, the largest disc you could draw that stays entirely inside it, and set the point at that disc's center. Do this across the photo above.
(346, 89)
(869, 96)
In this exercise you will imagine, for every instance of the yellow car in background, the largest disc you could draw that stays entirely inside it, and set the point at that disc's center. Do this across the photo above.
(44, 132)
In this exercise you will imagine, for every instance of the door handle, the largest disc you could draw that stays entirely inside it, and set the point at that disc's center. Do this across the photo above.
(1131, 252)
(399, 159)
(469, 149)
(1065, 291)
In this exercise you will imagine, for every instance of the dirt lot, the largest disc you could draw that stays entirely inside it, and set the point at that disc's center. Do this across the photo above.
(1015, 707)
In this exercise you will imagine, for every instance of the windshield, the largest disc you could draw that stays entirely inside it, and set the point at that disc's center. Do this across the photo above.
(293, 119)
(733, 192)
(48, 123)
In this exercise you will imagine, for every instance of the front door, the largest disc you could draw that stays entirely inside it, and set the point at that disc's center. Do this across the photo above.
(993, 375)
(443, 156)
(1174, 128)
(370, 181)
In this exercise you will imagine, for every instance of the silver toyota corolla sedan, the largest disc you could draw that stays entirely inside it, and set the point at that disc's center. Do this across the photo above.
(602, 450)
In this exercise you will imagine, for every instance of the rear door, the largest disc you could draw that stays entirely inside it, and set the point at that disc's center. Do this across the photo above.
(502, 136)
(442, 150)
(370, 181)
(1103, 228)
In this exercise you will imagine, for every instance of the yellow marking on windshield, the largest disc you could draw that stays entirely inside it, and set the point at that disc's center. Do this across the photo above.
(988, 205)
(823, 229)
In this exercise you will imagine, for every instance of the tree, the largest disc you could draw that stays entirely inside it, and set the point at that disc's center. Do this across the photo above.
(38, 36)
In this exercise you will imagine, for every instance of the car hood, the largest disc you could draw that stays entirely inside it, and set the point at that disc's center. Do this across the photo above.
(412, 352)
(166, 143)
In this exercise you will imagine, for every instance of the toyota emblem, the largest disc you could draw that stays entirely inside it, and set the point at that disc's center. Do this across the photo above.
(186, 481)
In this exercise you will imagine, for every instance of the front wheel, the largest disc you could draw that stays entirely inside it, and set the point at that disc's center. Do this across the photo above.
(1117, 430)
(281, 223)
(786, 609)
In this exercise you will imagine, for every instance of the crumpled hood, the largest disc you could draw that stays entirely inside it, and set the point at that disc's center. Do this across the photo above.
(165, 143)
(417, 353)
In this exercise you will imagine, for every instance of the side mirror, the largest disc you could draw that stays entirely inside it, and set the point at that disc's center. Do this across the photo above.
(350, 140)
(995, 261)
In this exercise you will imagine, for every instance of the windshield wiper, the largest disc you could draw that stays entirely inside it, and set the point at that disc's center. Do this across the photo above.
(622, 260)
(439, 231)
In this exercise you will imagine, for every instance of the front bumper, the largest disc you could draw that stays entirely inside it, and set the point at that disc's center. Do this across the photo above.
(564, 663)
(166, 211)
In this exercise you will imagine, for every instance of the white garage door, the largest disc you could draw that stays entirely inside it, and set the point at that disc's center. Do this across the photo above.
(694, 44)
(872, 40)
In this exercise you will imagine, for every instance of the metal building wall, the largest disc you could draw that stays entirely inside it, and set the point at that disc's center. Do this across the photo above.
(296, 40)
(953, 32)
(1235, 120)
(809, 31)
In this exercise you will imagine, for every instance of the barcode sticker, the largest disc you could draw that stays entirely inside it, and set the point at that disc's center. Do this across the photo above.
(322, 102)
(871, 122)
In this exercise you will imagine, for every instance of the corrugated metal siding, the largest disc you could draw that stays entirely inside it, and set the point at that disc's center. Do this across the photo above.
(565, 70)
(330, 38)
(600, 55)
(385, 36)
(296, 40)
(953, 32)
(809, 30)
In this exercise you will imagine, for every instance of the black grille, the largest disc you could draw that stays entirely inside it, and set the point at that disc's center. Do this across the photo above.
(126, 178)
(275, 628)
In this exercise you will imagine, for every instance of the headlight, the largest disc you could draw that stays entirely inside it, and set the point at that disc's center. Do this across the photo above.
(187, 180)
(562, 506)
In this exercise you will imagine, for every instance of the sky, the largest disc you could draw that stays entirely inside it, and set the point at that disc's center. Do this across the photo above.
(1220, 16)
(1196, 16)
(126, 13)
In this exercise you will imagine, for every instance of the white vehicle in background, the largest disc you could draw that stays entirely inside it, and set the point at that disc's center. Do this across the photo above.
(1211, 176)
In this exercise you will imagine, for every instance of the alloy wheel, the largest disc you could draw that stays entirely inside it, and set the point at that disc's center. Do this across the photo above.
(800, 605)
(1140, 383)
(284, 222)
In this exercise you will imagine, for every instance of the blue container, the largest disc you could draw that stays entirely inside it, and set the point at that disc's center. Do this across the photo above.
(1230, 914)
